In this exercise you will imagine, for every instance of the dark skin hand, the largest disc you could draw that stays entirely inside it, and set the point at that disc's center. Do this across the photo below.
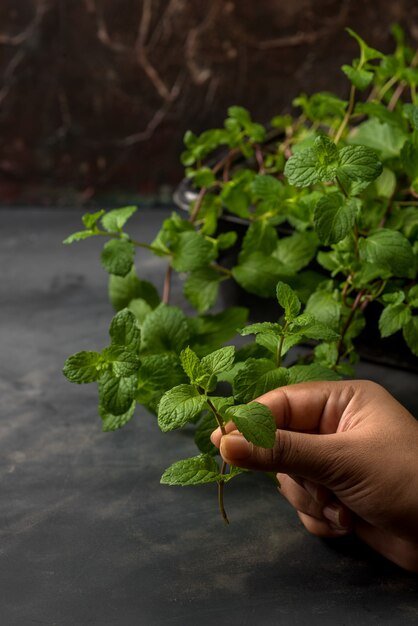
(346, 456)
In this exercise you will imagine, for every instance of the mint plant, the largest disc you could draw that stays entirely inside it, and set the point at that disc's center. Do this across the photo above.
(329, 198)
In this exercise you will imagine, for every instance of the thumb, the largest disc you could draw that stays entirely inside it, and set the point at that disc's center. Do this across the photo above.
(315, 457)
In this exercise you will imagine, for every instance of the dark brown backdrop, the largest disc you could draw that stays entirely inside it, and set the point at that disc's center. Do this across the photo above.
(95, 95)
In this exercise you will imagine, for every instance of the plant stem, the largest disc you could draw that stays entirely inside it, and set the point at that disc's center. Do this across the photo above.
(354, 307)
(347, 116)
(167, 284)
(280, 346)
(223, 467)
(197, 205)
(221, 269)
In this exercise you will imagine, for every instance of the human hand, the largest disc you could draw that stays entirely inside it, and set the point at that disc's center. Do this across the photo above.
(346, 456)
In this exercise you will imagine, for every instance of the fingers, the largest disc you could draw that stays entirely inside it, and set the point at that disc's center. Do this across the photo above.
(313, 457)
(314, 501)
(321, 528)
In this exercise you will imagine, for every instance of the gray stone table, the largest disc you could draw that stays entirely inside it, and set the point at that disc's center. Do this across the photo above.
(88, 536)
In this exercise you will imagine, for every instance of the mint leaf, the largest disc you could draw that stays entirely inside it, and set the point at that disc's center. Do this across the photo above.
(256, 377)
(211, 331)
(324, 306)
(220, 360)
(192, 251)
(312, 372)
(312, 165)
(393, 318)
(79, 235)
(115, 220)
(201, 288)
(367, 53)
(194, 471)
(178, 406)
(259, 236)
(140, 309)
(205, 427)
(113, 422)
(117, 394)
(83, 367)
(359, 77)
(256, 422)
(123, 361)
(124, 330)
(288, 300)
(124, 289)
(261, 327)
(410, 333)
(165, 329)
(334, 217)
(358, 163)
(258, 274)
(158, 372)
(387, 140)
(118, 256)
(296, 251)
(190, 362)
(390, 250)
(90, 219)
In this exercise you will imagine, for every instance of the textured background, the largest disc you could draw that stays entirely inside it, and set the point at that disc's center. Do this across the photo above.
(95, 95)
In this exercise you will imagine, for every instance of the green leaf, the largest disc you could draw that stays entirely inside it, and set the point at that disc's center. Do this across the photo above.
(411, 112)
(219, 360)
(194, 471)
(157, 374)
(358, 163)
(83, 367)
(312, 165)
(124, 289)
(90, 219)
(288, 300)
(113, 422)
(117, 393)
(115, 220)
(334, 217)
(393, 318)
(390, 250)
(367, 53)
(261, 327)
(79, 235)
(410, 333)
(178, 406)
(256, 377)
(124, 330)
(118, 256)
(226, 240)
(256, 422)
(201, 288)
(386, 183)
(312, 372)
(259, 237)
(296, 251)
(258, 274)
(196, 371)
(385, 138)
(165, 329)
(324, 307)
(205, 427)
(192, 251)
(268, 190)
(140, 309)
(412, 296)
(123, 361)
(211, 331)
(409, 158)
(359, 77)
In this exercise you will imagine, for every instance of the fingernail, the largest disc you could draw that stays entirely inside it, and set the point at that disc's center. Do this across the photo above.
(333, 512)
(235, 446)
(214, 436)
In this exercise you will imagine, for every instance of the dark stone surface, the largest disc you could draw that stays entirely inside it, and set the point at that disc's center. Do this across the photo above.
(88, 536)
(95, 95)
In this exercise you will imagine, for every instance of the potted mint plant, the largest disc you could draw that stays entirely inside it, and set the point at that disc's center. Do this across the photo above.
(323, 218)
